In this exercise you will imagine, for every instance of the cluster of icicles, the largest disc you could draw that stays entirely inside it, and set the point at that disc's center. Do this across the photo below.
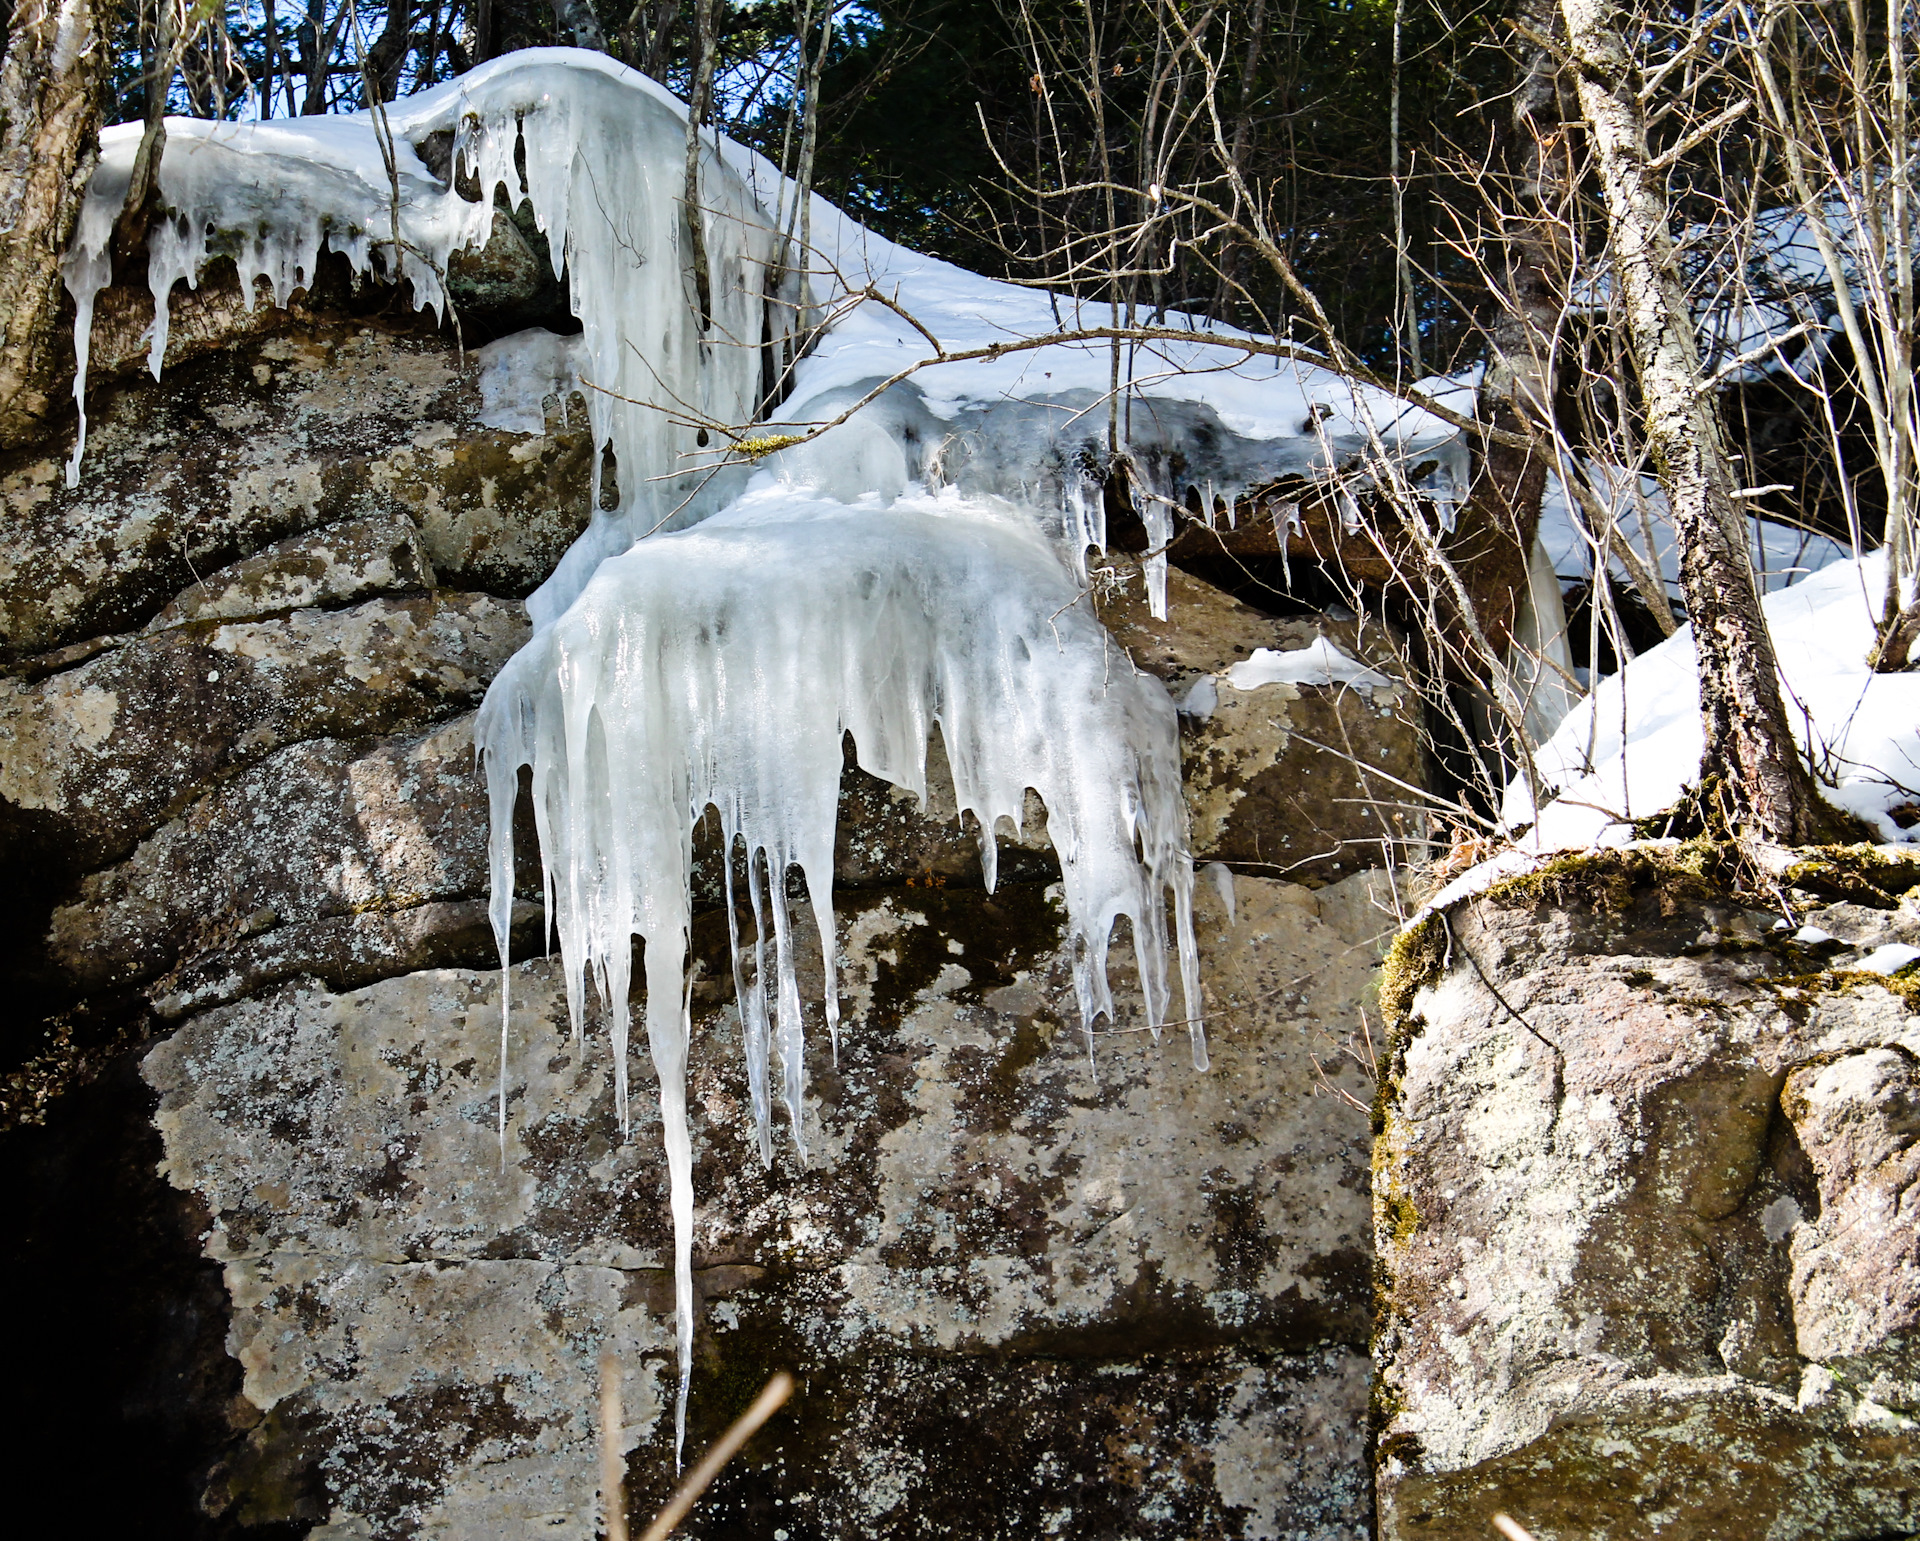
(709, 643)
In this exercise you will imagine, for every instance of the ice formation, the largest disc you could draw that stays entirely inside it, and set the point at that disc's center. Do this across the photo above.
(709, 641)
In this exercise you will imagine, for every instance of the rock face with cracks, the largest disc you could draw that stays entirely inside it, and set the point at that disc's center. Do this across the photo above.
(994, 1230)
(245, 852)
(1647, 1201)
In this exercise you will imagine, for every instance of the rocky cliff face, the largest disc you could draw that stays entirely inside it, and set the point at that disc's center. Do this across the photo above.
(1648, 1210)
(1027, 1288)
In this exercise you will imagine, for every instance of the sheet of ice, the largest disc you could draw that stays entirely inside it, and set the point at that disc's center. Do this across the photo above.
(1631, 747)
(1320, 662)
(600, 172)
(519, 375)
(720, 666)
(1202, 696)
(598, 143)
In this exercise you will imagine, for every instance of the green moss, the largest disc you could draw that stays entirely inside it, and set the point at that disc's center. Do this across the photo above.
(1614, 880)
(1402, 1219)
(760, 445)
(1383, 1406)
(1796, 990)
(1414, 959)
(1864, 874)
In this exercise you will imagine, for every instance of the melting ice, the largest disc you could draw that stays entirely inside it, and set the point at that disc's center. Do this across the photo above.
(710, 641)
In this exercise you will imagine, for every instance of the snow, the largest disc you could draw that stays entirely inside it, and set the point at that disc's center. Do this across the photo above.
(1782, 554)
(1318, 663)
(605, 149)
(1890, 959)
(1631, 747)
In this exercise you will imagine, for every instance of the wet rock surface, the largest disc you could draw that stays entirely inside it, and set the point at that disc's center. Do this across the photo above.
(1646, 1210)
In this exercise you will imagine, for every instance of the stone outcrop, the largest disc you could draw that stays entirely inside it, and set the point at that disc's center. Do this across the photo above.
(245, 848)
(1304, 782)
(992, 1226)
(1647, 1193)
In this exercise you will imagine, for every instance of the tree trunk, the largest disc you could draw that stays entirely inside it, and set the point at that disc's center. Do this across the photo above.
(49, 140)
(1494, 538)
(578, 26)
(699, 99)
(1750, 762)
(389, 50)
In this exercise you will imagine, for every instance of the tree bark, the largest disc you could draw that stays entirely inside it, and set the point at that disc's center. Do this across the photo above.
(1495, 534)
(1750, 763)
(578, 26)
(50, 86)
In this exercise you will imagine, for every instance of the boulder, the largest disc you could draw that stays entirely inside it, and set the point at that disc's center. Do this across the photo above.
(103, 752)
(1309, 783)
(1088, 1286)
(318, 423)
(1645, 1205)
(244, 838)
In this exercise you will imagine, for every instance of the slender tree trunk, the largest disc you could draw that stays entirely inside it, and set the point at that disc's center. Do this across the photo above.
(699, 99)
(659, 53)
(159, 63)
(389, 50)
(321, 37)
(50, 86)
(1494, 538)
(1750, 760)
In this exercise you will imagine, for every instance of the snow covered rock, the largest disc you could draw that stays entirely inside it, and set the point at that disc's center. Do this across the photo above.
(246, 645)
(321, 837)
(1307, 780)
(1628, 750)
(1645, 1201)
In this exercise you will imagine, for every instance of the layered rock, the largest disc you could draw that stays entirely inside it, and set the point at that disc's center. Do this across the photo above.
(1105, 1288)
(239, 817)
(1648, 1217)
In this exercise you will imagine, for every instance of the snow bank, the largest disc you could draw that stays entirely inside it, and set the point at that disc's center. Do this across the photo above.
(1782, 554)
(1630, 748)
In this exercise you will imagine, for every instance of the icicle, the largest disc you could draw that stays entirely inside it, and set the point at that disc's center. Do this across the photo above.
(752, 1008)
(1221, 875)
(1154, 506)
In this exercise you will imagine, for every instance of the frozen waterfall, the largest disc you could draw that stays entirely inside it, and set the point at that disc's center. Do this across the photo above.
(709, 642)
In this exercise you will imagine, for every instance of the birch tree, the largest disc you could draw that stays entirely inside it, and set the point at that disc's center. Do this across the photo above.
(1752, 775)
